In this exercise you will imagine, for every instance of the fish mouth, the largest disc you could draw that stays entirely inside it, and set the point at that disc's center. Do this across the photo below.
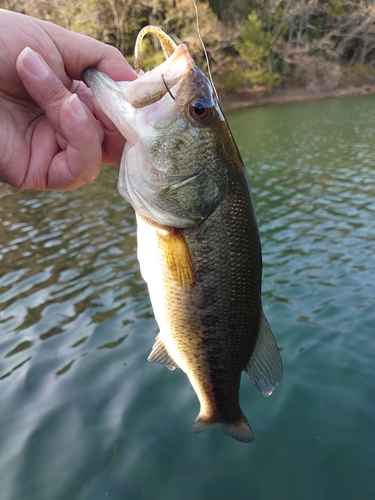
(150, 87)
(155, 84)
(120, 101)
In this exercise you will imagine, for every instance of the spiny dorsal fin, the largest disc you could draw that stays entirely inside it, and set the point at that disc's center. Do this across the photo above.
(159, 354)
(265, 368)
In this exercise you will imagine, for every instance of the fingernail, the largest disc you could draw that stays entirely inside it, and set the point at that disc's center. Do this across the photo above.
(34, 63)
(77, 107)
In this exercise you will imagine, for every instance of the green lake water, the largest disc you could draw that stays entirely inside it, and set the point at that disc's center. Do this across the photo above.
(85, 416)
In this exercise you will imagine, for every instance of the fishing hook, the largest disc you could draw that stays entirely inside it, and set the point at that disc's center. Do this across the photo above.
(166, 86)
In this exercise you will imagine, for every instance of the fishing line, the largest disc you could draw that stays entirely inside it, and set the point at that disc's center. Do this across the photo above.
(204, 50)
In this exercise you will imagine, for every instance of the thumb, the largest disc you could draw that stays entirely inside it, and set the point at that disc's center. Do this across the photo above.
(69, 121)
(44, 87)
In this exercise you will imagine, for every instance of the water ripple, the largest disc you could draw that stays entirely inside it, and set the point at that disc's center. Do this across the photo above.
(82, 413)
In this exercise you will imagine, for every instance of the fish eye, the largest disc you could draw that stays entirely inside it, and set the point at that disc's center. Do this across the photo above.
(200, 110)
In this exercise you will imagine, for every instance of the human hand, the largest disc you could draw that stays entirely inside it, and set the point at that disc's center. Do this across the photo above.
(49, 136)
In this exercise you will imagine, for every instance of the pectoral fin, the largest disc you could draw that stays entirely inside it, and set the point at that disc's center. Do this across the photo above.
(265, 367)
(177, 257)
(159, 354)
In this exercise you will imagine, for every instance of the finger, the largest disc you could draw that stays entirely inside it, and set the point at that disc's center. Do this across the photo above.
(113, 144)
(48, 91)
(80, 52)
(72, 125)
(114, 141)
(42, 85)
(80, 162)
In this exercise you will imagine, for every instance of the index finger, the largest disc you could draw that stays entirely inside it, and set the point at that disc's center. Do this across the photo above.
(80, 52)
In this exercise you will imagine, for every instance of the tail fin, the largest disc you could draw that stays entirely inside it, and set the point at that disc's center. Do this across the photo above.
(239, 429)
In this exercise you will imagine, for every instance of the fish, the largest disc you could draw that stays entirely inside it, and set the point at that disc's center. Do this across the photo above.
(198, 242)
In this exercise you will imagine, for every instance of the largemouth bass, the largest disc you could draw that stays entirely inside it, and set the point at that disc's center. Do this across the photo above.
(198, 241)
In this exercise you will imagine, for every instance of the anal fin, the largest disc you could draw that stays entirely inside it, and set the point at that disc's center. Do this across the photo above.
(159, 354)
(265, 367)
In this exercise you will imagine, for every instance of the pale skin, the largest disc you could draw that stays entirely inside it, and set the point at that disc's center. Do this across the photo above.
(49, 135)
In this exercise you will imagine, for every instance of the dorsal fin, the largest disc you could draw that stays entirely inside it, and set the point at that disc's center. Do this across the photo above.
(159, 354)
(265, 368)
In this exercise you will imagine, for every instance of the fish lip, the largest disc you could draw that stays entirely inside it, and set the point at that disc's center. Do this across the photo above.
(170, 73)
(89, 74)
(85, 75)
(150, 87)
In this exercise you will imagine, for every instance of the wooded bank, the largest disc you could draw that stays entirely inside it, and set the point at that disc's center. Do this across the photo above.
(253, 45)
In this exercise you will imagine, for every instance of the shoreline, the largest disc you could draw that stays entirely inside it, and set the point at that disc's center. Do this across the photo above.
(247, 99)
